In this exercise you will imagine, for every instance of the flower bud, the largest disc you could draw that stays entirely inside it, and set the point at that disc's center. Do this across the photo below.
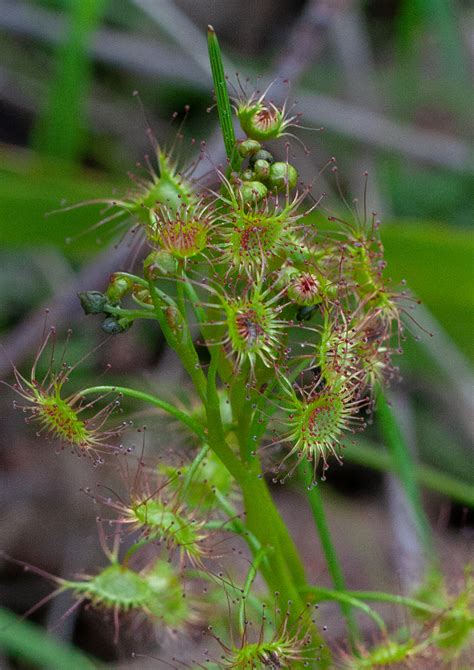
(261, 169)
(249, 147)
(113, 325)
(253, 191)
(93, 302)
(119, 286)
(282, 176)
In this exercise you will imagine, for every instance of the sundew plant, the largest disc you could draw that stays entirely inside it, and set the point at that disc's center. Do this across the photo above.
(286, 324)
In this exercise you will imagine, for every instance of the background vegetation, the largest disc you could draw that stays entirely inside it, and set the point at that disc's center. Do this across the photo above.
(389, 82)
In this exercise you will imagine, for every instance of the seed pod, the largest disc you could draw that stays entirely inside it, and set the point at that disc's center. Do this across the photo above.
(114, 326)
(247, 175)
(282, 176)
(262, 155)
(304, 289)
(261, 169)
(253, 191)
(141, 295)
(260, 121)
(249, 147)
(119, 286)
(93, 302)
(158, 264)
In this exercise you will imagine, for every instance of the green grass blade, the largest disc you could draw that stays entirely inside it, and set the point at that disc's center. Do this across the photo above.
(26, 641)
(404, 467)
(222, 98)
(376, 459)
(60, 130)
(335, 570)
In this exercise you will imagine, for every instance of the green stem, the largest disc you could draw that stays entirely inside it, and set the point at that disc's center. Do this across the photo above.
(151, 400)
(194, 467)
(264, 521)
(184, 347)
(346, 598)
(317, 508)
(405, 467)
(381, 596)
(216, 436)
(252, 573)
(236, 524)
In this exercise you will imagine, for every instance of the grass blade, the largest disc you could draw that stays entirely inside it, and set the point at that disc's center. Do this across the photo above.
(222, 98)
(404, 467)
(60, 130)
(31, 643)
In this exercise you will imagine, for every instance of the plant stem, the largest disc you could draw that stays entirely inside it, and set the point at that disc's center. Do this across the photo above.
(216, 436)
(347, 598)
(151, 400)
(335, 570)
(184, 347)
(264, 521)
(381, 596)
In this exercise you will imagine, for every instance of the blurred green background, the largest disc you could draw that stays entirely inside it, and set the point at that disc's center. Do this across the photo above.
(388, 81)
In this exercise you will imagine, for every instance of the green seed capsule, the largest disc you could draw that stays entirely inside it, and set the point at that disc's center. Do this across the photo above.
(158, 264)
(252, 191)
(261, 169)
(283, 176)
(249, 147)
(261, 122)
(118, 287)
(262, 155)
(93, 302)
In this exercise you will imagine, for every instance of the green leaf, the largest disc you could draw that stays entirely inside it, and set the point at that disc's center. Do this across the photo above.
(30, 190)
(29, 642)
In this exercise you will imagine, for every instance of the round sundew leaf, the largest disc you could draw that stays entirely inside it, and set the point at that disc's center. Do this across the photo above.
(120, 586)
(167, 600)
(157, 516)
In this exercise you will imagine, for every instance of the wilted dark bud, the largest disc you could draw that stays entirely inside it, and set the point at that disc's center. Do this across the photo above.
(158, 264)
(305, 313)
(113, 325)
(249, 147)
(93, 302)
(283, 176)
(119, 286)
